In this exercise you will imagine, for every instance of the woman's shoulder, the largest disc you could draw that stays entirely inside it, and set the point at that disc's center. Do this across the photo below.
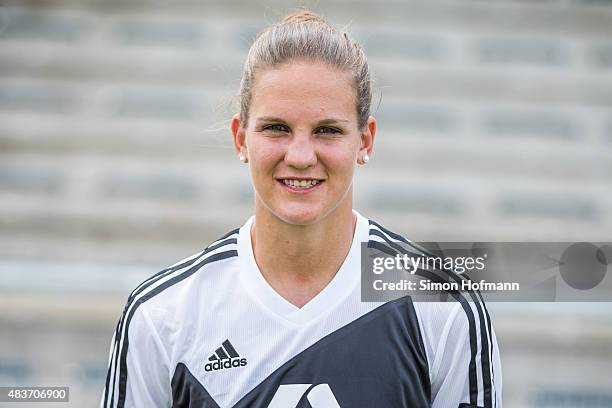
(223, 247)
(187, 273)
(377, 233)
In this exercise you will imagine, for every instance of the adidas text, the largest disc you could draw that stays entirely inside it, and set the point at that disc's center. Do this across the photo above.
(227, 363)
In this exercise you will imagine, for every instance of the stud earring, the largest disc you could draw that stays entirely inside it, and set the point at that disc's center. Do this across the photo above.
(366, 158)
(242, 158)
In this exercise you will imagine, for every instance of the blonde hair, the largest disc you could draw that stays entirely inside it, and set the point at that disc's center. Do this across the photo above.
(306, 36)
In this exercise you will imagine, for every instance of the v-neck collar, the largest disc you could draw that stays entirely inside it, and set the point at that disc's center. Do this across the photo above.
(336, 290)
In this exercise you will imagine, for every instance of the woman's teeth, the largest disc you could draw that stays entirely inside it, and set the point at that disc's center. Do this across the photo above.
(300, 183)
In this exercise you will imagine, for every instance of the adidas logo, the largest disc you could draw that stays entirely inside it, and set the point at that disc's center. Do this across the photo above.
(225, 356)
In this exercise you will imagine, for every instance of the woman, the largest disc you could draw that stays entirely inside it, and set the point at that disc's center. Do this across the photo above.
(270, 314)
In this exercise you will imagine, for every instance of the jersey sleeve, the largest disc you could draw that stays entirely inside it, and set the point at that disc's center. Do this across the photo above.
(138, 372)
(463, 355)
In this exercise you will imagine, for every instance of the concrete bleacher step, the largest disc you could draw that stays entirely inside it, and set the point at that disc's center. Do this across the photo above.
(111, 113)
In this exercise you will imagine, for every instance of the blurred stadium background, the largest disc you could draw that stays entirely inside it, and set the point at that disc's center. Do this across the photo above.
(495, 123)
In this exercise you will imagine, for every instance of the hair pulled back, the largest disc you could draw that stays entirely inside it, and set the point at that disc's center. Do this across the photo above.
(306, 36)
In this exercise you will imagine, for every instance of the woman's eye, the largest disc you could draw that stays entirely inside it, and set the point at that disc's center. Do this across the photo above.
(276, 128)
(327, 130)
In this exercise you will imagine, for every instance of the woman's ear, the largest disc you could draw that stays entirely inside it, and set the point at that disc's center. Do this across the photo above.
(367, 140)
(239, 136)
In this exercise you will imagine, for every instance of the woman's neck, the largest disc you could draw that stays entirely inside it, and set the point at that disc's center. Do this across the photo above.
(298, 261)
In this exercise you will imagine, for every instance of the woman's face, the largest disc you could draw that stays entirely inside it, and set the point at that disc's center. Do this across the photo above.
(302, 140)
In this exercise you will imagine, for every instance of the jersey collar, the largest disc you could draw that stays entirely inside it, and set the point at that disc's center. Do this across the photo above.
(341, 285)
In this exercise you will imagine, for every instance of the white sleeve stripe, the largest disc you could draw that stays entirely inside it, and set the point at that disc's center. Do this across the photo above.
(491, 351)
(110, 363)
(484, 352)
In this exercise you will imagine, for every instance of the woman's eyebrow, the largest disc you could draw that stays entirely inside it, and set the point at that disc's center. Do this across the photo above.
(269, 119)
(331, 121)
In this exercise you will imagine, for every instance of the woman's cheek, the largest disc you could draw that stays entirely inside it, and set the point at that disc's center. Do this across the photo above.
(269, 157)
(344, 158)
(262, 152)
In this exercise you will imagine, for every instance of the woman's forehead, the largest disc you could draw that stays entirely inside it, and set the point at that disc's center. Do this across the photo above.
(306, 87)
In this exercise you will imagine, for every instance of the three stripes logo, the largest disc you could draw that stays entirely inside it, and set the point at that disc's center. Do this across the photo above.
(225, 356)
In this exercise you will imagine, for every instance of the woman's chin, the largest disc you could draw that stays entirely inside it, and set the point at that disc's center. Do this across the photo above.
(300, 216)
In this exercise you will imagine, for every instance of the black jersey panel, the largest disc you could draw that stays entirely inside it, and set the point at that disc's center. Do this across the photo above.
(188, 392)
(376, 361)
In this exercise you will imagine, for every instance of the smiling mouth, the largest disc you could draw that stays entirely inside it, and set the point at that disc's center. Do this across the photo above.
(303, 184)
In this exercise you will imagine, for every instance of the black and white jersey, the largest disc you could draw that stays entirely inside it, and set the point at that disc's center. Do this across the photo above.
(210, 332)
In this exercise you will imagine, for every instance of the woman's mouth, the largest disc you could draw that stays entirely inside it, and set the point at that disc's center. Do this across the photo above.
(300, 184)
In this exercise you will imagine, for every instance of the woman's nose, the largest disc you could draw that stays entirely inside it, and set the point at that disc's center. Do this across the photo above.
(301, 151)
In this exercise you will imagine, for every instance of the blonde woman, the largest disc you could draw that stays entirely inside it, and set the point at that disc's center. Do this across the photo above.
(270, 314)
